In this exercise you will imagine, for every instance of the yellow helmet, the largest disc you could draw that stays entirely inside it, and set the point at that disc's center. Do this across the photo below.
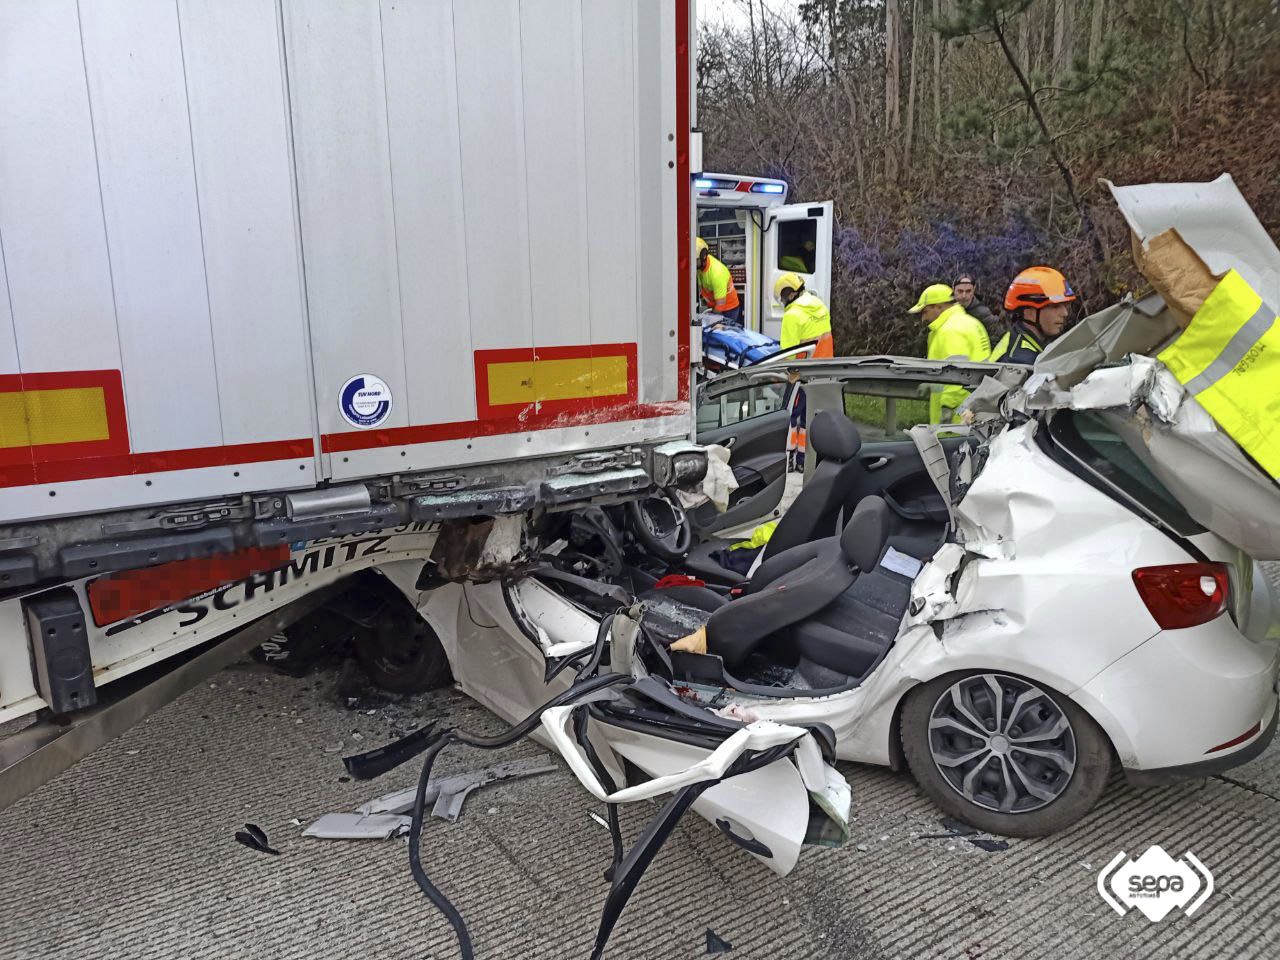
(702, 246)
(787, 281)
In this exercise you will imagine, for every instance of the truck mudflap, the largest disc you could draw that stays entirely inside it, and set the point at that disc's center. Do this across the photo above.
(768, 787)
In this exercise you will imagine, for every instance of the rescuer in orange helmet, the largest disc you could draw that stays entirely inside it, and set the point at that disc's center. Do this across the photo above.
(1039, 298)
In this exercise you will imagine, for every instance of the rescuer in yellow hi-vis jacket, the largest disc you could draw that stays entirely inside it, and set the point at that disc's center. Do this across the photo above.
(804, 317)
(952, 333)
(715, 285)
(1228, 358)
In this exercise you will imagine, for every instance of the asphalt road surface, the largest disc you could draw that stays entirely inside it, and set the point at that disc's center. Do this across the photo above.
(131, 854)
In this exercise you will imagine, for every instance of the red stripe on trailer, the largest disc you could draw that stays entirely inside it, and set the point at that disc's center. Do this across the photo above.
(161, 461)
(684, 238)
(122, 595)
(471, 429)
(302, 449)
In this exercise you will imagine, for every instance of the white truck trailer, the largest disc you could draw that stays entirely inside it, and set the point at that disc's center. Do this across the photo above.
(292, 288)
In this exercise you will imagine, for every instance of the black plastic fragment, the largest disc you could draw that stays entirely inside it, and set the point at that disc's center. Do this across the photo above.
(954, 828)
(749, 844)
(376, 762)
(633, 865)
(717, 944)
(253, 837)
(989, 845)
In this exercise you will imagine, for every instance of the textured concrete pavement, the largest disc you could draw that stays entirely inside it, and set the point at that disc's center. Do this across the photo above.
(131, 855)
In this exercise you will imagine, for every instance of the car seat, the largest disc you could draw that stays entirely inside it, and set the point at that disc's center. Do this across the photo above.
(815, 511)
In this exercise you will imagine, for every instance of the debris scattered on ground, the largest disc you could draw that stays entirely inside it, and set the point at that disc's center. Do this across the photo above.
(357, 826)
(384, 817)
(449, 793)
(598, 819)
(253, 837)
(953, 828)
(717, 944)
(989, 845)
(334, 747)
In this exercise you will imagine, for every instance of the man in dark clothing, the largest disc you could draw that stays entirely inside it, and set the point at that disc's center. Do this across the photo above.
(965, 290)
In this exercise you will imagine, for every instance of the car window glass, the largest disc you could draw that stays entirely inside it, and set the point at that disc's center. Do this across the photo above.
(886, 409)
(1089, 437)
(746, 403)
(797, 245)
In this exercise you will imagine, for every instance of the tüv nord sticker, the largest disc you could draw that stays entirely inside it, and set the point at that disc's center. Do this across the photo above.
(365, 401)
(1155, 883)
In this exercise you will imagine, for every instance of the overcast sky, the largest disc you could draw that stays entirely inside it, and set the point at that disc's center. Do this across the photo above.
(734, 11)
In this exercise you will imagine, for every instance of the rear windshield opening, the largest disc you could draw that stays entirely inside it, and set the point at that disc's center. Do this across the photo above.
(1103, 451)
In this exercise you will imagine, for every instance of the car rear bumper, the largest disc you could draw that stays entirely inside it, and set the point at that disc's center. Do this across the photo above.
(1182, 703)
(1204, 768)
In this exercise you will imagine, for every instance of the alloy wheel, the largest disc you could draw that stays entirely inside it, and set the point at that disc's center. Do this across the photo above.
(1002, 743)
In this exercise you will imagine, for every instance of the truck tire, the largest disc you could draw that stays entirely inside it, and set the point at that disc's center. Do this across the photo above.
(401, 652)
(1046, 791)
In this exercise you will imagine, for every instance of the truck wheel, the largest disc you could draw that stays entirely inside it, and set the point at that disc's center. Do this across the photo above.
(401, 653)
(1003, 753)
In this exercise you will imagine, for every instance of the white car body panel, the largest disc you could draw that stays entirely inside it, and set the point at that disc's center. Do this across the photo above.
(1182, 693)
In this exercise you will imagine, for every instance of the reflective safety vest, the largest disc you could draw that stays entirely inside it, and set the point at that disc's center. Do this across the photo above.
(954, 333)
(1229, 360)
(1019, 345)
(716, 286)
(807, 318)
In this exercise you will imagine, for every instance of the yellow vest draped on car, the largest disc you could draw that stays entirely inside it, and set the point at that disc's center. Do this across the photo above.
(1229, 360)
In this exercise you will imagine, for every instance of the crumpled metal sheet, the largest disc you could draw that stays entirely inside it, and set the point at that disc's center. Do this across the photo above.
(1106, 337)
(1214, 219)
(448, 793)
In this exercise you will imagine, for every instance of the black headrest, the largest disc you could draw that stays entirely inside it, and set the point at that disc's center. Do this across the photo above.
(866, 532)
(834, 436)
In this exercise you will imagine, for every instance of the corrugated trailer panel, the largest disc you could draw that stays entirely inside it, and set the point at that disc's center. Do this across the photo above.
(137, 88)
(218, 216)
(8, 339)
(243, 175)
(55, 248)
(612, 277)
(341, 144)
(427, 176)
(657, 176)
(551, 42)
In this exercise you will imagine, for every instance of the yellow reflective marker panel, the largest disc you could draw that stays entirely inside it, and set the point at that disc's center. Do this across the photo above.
(543, 381)
(62, 415)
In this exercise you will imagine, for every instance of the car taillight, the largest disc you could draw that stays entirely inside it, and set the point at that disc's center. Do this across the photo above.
(1184, 594)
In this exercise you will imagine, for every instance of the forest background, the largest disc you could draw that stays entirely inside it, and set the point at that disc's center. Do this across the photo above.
(971, 135)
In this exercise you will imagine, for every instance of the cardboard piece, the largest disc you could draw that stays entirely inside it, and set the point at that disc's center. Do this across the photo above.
(1176, 271)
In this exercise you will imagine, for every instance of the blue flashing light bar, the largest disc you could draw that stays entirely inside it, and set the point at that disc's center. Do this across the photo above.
(768, 188)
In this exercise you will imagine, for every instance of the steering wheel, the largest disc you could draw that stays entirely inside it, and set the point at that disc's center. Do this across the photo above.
(660, 525)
